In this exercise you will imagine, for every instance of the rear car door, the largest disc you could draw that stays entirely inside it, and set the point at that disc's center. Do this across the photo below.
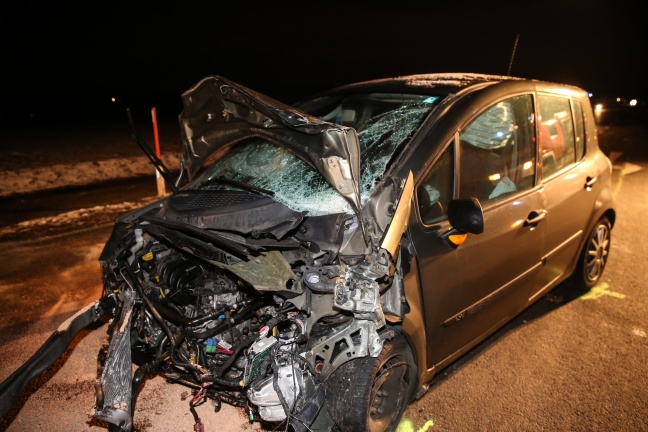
(568, 181)
(470, 290)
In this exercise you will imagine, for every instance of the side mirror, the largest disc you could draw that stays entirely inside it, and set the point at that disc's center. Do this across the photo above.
(466, 215)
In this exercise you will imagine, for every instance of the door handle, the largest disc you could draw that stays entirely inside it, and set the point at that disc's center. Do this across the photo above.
(535, 217)
(589, 181)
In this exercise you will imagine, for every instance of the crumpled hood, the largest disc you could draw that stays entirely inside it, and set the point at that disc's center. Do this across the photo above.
(218, 113)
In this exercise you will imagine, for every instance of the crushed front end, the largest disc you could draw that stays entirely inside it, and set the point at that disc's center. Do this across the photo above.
(257, 318)
(270, 269)
(274, 267)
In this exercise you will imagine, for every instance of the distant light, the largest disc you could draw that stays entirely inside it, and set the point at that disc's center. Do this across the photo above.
(633, 102)
(494, 177)
(590, 94)
(527, 165)
(598, 107)
(618, 99)
(113, 99)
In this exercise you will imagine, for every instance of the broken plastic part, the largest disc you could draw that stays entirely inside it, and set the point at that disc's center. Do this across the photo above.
(357, 338)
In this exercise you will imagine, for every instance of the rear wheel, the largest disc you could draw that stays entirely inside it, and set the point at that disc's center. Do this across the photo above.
(594, 256)
(371, 394)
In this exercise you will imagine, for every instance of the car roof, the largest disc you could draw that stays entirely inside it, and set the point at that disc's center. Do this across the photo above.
(434, 83)
(453, 83)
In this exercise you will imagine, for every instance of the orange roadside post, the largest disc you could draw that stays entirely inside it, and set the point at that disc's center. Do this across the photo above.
(161, 187)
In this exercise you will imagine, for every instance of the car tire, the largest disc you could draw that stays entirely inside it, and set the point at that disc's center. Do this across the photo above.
(371, 394)
(594, 256)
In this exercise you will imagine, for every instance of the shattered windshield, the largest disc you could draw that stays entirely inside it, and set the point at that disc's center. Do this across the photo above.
(384, 123)
(265, 165)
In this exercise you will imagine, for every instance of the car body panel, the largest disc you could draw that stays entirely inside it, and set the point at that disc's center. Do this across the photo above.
(503, 264)
(577, 186)
(547, 264)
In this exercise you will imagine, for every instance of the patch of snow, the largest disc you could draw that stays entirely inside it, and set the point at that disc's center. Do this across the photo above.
(25, 180)
(85, 217)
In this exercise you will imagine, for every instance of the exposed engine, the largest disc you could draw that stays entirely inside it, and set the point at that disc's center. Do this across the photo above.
(189, 311)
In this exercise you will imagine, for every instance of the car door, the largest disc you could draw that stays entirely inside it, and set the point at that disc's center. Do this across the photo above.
(568, 181)
(470, 290)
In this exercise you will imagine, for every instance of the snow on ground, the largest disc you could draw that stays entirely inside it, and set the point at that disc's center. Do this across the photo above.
(86, 217)
(46, 156)
(54, 176)
(25, 180)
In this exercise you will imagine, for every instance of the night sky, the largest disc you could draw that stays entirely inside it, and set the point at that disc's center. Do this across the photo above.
(60, 59)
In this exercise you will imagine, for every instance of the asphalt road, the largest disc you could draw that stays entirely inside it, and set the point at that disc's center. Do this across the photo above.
(569, 363)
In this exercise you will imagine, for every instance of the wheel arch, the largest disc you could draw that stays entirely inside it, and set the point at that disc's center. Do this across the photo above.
(413, 324)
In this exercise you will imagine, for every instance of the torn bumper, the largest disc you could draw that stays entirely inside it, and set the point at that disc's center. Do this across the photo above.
(53, 348)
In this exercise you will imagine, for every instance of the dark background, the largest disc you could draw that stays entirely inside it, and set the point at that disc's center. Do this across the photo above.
(67, 62)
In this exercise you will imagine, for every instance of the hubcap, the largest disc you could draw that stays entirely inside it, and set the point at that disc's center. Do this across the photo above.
(597, 252)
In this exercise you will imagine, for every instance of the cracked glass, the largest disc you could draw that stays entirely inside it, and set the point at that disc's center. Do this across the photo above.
(384, 123)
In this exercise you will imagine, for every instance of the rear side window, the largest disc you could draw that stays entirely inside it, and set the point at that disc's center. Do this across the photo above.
(497, 151)
(560, 139)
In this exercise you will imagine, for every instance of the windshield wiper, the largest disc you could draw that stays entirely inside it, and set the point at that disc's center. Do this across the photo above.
(159, 165)
(243, 185)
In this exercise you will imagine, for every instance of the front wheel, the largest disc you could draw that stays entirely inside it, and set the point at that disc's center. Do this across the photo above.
(594, 256)
(371, 394)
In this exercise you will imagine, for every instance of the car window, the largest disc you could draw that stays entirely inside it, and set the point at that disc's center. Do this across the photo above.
(497, 152)
(555, 134)
(436, 190)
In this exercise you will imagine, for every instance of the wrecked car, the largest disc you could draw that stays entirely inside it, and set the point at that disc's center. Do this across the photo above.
(321, 262)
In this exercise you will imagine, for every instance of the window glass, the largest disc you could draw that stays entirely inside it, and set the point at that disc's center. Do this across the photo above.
(496, 151)
(555, 134)
(266, 165)
(580, 130)
(436, 190)
(385, 122)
